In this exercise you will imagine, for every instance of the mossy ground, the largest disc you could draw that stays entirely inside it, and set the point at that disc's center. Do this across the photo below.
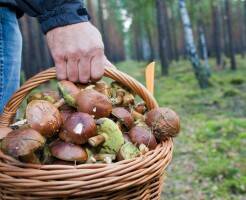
(210, 156)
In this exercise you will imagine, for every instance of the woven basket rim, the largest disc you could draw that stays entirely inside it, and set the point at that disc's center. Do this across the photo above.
(70, 180)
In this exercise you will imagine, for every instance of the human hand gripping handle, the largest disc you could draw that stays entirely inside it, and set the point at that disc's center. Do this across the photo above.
(78, 52)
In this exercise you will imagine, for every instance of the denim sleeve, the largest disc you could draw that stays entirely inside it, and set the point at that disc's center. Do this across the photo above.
(55, 13)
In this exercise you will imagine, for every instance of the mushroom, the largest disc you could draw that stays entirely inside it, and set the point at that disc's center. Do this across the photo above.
(125, 118)
(94, 157)
(4, 132)
(142, 135)
(137, 116)
(121, 95)
(94, 103)
(23, 143)
(48, 95)
(44, 117)
(109, 136)
(69, 92)
(68, 151)
(140, 108)
(78, 128)
(66, 111)
(103, 87)
(128, 151)
(164, 122)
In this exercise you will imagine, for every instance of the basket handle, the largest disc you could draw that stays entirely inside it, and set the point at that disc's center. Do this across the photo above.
(12, 106)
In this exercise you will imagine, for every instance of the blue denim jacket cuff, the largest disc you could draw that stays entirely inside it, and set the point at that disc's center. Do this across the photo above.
(71, 13)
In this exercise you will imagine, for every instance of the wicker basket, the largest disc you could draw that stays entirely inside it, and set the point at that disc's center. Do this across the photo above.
(140, 178)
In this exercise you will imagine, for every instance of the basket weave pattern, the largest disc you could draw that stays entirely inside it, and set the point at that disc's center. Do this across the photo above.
(140, 178)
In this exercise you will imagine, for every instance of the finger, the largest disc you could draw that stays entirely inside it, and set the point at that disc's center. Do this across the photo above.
(61, 70)
(84, 69)
(72, 70)
(97, 67)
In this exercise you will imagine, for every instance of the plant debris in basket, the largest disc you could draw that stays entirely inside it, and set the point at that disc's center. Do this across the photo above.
(92, 123)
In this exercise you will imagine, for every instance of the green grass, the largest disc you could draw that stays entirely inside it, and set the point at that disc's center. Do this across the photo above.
(210, 154)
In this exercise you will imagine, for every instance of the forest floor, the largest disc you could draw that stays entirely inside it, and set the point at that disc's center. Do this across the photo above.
(209, 159)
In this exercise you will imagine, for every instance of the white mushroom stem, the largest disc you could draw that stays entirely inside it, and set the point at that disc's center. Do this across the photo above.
(107, 158)
(96, 140)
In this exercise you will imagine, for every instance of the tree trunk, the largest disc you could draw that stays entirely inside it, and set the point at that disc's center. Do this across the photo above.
(168, 33)
(151, 43)
(162, 37)
(244, 24)
(92, 12)
(230, 37)
(174, 37)
(101, 7)
(216, 34)
(204, 50)
(200, 71)
(240, 42)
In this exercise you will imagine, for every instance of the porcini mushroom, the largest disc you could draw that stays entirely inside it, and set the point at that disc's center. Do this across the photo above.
(48, 95)
(140, 108)
(22, 143)
(128, 151)
(69, 92)
(109, 137)
(68, 151)
(124, 117)
(78, 128)
(121, 95)
(44, 117)
(164, 122)
(94, 103)
(102, 87)
(142, 135)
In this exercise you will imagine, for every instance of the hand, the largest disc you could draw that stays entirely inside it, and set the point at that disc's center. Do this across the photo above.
(78, 52)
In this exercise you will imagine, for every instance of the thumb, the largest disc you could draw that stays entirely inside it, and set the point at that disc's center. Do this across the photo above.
(108, 64)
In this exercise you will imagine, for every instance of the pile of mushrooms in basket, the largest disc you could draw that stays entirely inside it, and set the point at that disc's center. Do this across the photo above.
(96, 123)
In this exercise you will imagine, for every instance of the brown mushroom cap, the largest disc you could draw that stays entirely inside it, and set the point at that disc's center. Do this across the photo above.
(4, 132)
(94, 103)
(78, 128)
(164, 122)
(140, 108)
(142, 135)
(22, 142)
(70, 88)
(44, 117)
(102, 87)
(68, 152)
(66, 111)
(124, 116)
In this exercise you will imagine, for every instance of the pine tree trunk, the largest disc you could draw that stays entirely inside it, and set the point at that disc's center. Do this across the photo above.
(91, 10)
(162, 37)
(240, 42)
(174, 38)
(151, 43)
(200, 71)
(203, 44)
(216, 34)
(244, 25)
(230, 37)
(101, 5)
(168, 32)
